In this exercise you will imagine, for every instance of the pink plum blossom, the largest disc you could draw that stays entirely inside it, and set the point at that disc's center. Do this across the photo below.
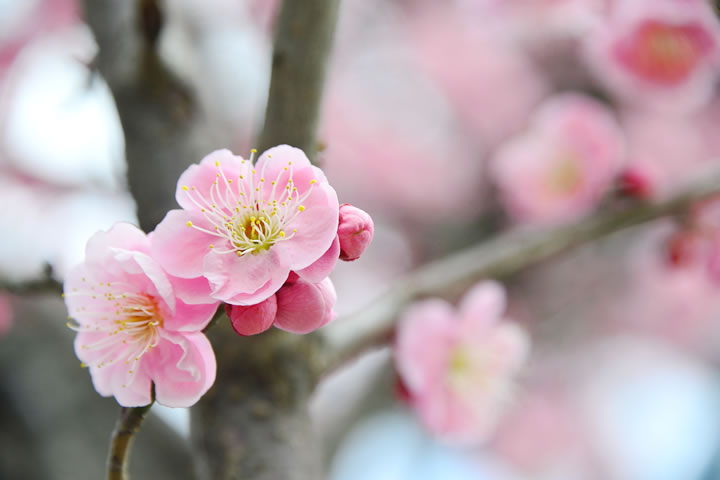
(390, 131)
(355, 232)
(457, 365)
(474, 78)
(244, 227)
(133, 330)
(298, 307)
(662, 53)
(560, 168)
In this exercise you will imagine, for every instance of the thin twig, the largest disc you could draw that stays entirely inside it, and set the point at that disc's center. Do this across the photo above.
(128, 424)
(501, 256)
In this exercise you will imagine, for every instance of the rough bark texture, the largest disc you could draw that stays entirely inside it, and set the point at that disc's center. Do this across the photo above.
(254, 422)
(303, 41)
(164, 129)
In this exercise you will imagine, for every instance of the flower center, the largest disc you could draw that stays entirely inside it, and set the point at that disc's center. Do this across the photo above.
(247, 214)
(125, 324)
(664, 53)
(565, 176)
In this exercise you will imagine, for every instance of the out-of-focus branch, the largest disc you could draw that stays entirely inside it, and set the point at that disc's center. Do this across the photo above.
(254, 422)
(128, 424)
(164, 128)
(41, 285)
(303, 42)
(498, 257)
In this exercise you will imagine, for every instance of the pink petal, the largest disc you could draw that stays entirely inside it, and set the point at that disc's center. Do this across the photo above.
(274, 160)
(178, 248)
(183, 368)
(161, 286)
(303, 307)
(252, 319)
(482, 305)
(245, 280)
(323, 266)
(424, 338)
(129, 390)
(510, 344)
(316, 229)
(191, 318)
(192, 291)
(119, 236)
(204, 175)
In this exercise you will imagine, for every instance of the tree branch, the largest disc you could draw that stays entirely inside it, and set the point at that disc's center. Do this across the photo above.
(165, 131)
(128, 424)
(303, 42)
(501, 256)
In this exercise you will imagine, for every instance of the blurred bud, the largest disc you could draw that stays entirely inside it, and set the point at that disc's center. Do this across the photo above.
(253, 319)
(355, 232)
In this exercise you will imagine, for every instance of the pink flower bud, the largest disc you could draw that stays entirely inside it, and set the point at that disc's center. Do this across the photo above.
(253, 319)
(355, 232)
(303, 307)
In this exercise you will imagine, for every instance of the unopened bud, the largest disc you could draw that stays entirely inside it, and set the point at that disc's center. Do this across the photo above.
(355, 232)
(253, 319)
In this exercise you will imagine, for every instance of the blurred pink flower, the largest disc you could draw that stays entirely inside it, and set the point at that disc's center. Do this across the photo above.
(562, 166)
(475, 76)
(133, 330)
(245, 227)
(662, 53)
(458, 366)
(298, 307)
(6, 314)
(355, 232)
(666, 152)
(672, 293)
(391, 132)
(23, 22)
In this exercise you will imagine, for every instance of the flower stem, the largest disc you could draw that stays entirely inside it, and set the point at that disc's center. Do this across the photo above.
(128, 424)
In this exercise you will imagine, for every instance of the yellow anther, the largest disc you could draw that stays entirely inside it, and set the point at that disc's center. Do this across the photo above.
(217, 164)
(253, 150)
(313, 181)
(211, 246)
(282, 234)
(189, 223)
(185, 188)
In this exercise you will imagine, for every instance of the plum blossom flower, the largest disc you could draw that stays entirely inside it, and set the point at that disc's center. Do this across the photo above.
(298, 307)
(663, 53)
(457, 366)
(560, 168)
(355, 232)
(244, 228)
(133, 330)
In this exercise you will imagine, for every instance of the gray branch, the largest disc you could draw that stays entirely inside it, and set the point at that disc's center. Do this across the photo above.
(165, 131)
(499, 257)
(303, 41)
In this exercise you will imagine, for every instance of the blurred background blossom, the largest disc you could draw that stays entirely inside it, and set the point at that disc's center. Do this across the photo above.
(448, 122)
